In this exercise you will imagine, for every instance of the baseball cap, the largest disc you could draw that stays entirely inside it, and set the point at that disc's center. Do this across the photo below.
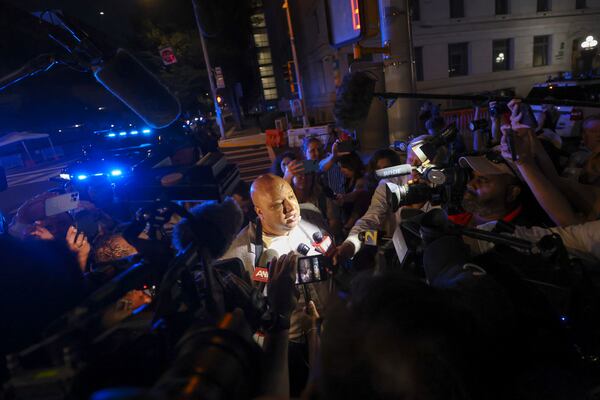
(491, 163)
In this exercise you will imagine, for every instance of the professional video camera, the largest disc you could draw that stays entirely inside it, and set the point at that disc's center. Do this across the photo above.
(445, 181)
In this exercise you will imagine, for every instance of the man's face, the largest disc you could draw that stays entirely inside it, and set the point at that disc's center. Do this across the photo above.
(312, 151)
(383, 163)
(413, 160)
(591, 135)
(277, 207)
(489, 194)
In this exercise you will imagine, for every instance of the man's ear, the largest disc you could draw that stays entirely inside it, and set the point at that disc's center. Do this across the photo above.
(258, 212)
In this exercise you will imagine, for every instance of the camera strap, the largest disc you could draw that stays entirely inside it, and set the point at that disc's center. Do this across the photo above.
(258, 241)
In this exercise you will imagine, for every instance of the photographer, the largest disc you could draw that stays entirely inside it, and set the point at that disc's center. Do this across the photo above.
(567, 202)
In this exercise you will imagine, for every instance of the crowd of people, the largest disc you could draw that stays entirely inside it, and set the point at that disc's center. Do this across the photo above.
(468, 325)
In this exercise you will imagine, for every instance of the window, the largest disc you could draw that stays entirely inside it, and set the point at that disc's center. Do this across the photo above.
(261, 40)
(580, 4)
(457, 9)
(502, 7)
(258, 21)
(541, 49)
(270, 94)
(266, 70)
(264, 57)
(415, 10)
(544, 5)
(458, 59)
(268, 83)
(501, 55)
(419, 63)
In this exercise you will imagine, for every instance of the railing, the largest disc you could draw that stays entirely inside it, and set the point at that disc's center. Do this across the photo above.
(464, 116)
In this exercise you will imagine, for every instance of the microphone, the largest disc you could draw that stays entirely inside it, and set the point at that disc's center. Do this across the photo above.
(129, 81)
(207, 229)
(323, 244)
(370, 237)
(303, 249)
(353, 100)
(396, 170)
(261, 271)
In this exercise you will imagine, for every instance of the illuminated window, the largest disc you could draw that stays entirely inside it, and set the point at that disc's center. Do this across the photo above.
(264, 57)
(268, 83)
(258, 21)
(501, 55)
(270, 94)
(266, 70)
(261, 40)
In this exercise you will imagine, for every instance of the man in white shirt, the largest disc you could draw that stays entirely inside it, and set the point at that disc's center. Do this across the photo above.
(283, 229)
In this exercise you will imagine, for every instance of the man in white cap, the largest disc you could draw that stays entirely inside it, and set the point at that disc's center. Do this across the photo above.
(494, 193)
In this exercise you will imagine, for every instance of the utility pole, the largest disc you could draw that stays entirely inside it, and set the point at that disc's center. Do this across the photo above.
(209, 70)
(398, 65)
(286, 6)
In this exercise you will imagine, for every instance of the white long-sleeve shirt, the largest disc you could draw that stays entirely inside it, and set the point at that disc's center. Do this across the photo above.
(379, 216)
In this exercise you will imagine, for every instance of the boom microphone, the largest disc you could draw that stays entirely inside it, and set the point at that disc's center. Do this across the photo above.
(129, 81)
(353, 100)
(206, 227)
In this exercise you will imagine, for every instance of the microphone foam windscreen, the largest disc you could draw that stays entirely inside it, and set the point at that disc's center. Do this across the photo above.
(353, 100)
(128, 80)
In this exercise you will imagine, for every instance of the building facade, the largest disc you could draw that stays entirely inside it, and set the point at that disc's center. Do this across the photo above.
(460, 46)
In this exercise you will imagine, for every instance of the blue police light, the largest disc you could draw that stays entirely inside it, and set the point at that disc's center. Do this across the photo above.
(123, 133)
(82, 177)
(133, 132)
(146, 131)
(116, 172)
(111, 134)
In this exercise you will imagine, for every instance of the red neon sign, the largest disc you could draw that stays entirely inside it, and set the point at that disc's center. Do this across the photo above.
(355, 15)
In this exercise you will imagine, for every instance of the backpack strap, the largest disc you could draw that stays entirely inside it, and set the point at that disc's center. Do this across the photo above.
(258, 241)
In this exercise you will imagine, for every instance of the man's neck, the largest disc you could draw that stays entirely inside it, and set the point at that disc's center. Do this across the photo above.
(268, 233)
(492, 215)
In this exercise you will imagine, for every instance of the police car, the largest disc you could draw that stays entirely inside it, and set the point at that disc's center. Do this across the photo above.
(569, 117)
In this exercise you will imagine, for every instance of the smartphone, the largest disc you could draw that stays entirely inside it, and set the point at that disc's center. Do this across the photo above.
(346, 146)
(86, 223)
(312, 269)
(528, 117)
(62, 203)
(310, 166)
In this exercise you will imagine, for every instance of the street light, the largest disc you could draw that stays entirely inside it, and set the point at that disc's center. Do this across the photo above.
(589, 43)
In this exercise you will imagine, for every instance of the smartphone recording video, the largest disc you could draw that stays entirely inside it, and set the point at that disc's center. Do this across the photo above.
(312, 269)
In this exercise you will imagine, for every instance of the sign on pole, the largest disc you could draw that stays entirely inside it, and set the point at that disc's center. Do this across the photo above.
(167, 55)
(220, 80)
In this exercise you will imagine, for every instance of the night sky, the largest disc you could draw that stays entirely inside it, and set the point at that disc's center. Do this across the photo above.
(63, 97)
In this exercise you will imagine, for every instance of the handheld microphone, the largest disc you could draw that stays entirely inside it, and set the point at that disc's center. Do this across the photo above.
(396, 170)
(261, 271)
(323, 243)
(303, 249)
(370, 237)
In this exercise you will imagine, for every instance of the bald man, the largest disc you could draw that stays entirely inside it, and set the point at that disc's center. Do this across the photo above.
(283, 229)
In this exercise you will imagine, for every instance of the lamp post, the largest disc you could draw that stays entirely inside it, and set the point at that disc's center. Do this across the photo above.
(589, 48)
(286, 6)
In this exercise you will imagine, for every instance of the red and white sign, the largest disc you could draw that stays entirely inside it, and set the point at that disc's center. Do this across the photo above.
(260, 275)
(167, 55)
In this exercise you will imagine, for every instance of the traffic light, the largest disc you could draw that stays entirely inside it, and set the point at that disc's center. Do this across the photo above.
(289, 76)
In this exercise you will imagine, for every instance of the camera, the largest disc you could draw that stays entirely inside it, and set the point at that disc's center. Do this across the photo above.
(478, 125)
(498, 109)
